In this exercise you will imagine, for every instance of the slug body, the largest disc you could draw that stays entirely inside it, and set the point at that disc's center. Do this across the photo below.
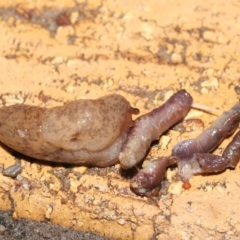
(88, 132)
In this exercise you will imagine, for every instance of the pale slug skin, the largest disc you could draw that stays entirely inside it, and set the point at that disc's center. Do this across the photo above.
(90, 132)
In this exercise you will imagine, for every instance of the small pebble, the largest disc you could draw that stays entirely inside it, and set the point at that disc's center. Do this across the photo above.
(210, 36)
(175, 188)
(220, 189)
(204, 90)
(2, 229)
(186, 185)
(15, 216)
(74, 17)
(121, 221)
(176, 58)
(209, 188)
(164, 141)
(213, 82)
(49, 212)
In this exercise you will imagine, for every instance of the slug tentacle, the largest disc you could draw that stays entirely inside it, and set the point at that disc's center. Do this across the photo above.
(150, 126)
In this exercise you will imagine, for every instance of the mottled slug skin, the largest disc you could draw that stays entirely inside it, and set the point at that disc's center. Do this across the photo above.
(91, 132)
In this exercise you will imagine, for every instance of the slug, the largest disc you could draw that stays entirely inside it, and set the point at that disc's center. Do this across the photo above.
(89, 132)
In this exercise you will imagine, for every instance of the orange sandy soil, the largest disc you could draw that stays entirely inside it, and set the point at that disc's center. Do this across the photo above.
(56, 51)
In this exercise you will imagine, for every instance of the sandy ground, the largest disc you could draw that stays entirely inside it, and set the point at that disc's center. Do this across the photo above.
(56, 51)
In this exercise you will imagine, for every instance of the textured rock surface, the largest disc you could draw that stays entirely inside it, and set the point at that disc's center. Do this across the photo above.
(56, 51)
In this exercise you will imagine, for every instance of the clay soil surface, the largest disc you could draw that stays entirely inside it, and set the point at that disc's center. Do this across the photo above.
(52, 52)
